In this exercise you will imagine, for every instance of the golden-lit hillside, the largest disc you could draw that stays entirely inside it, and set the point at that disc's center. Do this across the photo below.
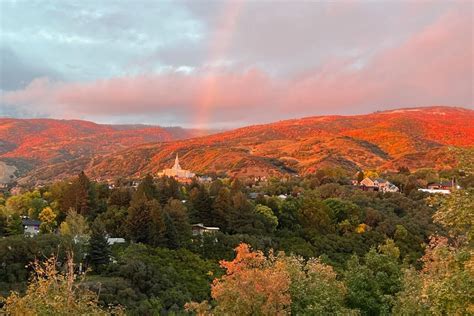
(415, 138)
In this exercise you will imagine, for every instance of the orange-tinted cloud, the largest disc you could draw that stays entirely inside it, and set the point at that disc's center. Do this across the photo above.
(434, 66)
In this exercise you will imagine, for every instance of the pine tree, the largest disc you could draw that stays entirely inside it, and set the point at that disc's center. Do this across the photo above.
(157, 226)
(99, 248)
(171, 233)
(146, 189)
(201, 205)
(138, 220)
(177, 213)
(221, 209)
(15, 226)
(242, 216)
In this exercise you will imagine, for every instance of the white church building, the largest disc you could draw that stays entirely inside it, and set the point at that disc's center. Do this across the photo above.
(177, 172)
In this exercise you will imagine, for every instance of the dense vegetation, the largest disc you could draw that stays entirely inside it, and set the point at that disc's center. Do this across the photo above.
(322, 248)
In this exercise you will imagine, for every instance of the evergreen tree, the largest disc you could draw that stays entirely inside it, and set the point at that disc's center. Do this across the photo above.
(236, 186)
(201, 205)
(157, 226)
(138, 220)
(168, 188)
(216, 186)
(221, 209)
(171, 233)
(15, 226)
(99, 249)
(242, 216)
(178, 215)
(120, 197)
(146, 189)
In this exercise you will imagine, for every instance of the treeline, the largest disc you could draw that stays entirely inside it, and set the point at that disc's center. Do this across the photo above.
(371, 248)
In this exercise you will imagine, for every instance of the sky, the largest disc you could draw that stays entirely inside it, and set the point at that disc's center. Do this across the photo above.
(223, 64)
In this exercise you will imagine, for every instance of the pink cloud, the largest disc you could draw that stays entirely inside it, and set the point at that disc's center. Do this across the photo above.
(434, 66)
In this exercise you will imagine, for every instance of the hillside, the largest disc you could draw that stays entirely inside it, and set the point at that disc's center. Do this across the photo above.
(28, 144)
(417, 138)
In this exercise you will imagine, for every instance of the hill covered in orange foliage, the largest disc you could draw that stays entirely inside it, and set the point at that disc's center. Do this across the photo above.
(416, 138)
(31, 143)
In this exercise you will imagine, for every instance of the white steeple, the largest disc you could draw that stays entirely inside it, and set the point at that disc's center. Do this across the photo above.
(176, 163)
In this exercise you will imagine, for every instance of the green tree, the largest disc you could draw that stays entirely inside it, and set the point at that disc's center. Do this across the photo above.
(267, 218)
(314, 214)
(221, 209)
(445, 285)
(157, 228)
(99, 249)
(315, 289)
(201, 205)
(178, 228)
(138, 220)
(14, 225)
(120, 197)
(456, 212)
(145, 190)
(241, 219)
(373, 283)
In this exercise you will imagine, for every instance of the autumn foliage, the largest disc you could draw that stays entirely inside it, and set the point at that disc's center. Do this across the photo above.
(260, 285)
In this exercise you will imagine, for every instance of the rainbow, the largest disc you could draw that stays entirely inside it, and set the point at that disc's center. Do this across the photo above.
(218, 48)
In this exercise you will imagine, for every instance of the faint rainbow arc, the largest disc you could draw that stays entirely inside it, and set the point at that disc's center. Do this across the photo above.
(218, 48)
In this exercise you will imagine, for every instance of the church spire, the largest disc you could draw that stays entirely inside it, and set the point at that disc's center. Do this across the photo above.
(176, 162)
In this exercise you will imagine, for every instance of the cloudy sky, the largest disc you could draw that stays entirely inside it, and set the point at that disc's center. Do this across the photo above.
(231, 63)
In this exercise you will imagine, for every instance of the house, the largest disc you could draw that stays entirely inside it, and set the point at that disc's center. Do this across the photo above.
(367, 182)
(30, 226)
(115, 240)
(200, 229)
(443, 185)
(385, 186)
(435, 191)
(378, 184)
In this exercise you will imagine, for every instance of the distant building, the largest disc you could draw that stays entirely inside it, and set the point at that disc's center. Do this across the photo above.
(443, 185)
(30, 227)
(385, 186)
(177, 172)
(367, 182)
(378, 184)
(115, 240)
(253, 195)
(200, 229)
(205, 179)
(435, 191)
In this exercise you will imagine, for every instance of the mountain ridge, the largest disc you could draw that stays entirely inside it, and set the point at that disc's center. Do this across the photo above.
(414, 137)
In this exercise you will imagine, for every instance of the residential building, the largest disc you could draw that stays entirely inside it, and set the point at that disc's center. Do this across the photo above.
(200, 229)
(30, 226)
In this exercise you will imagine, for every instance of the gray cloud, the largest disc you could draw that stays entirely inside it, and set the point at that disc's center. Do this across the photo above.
(152, 60)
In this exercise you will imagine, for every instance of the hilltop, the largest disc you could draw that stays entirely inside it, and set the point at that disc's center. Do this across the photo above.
(28, 144)
(416, 138)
